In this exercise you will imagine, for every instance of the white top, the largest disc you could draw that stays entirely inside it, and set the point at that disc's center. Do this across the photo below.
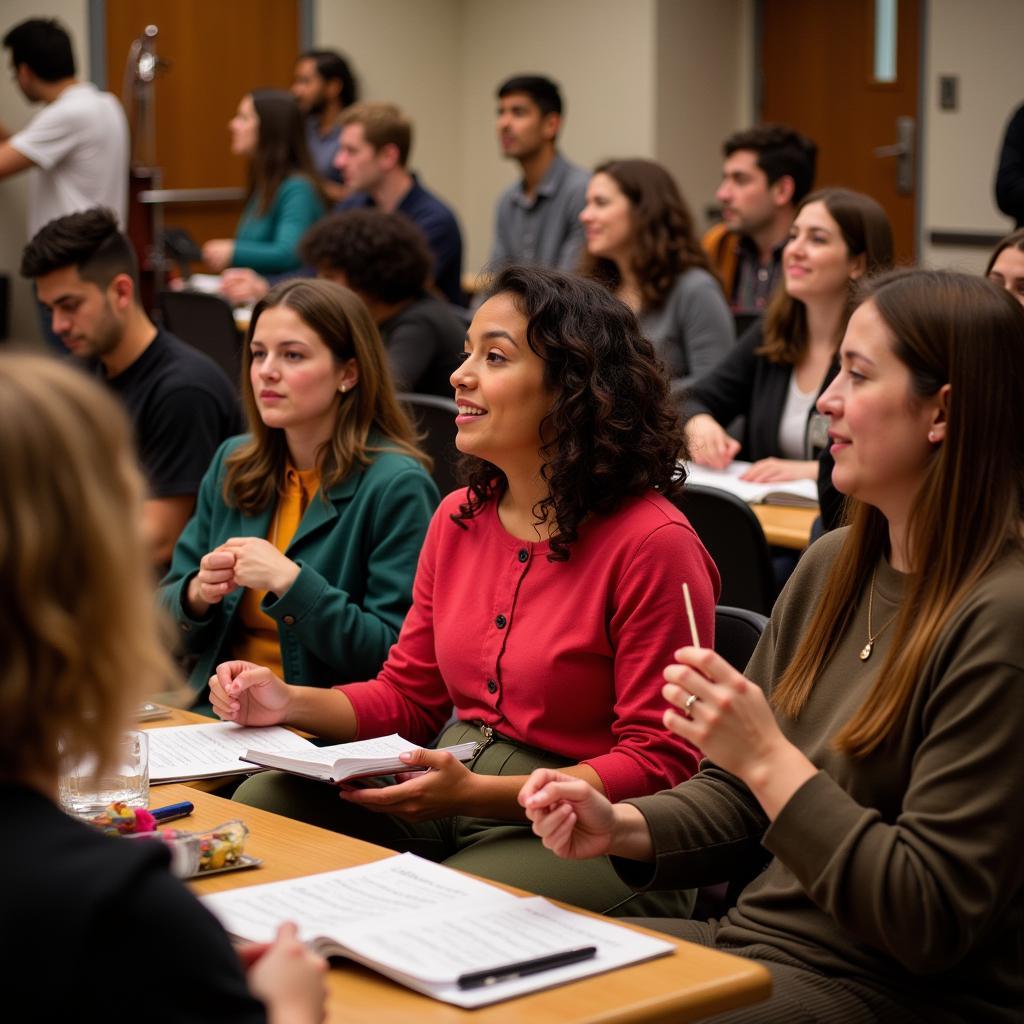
(793, 425)
(79, 143)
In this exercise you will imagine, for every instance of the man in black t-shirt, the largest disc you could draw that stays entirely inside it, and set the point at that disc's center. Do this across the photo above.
(181, 403)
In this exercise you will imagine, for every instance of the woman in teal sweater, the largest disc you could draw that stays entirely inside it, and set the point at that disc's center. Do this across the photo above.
(303, 545)
(285, 197)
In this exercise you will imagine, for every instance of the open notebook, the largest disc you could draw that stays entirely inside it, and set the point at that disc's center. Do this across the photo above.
(425, 926)
(798, 493)
(181, 753)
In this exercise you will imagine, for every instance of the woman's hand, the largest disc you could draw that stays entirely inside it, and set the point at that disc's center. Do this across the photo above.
(732, 722)
(249, 694)
(259, 565)
(217, 253)
(570, 816)
(447, 788)
(289, 978)
(766, 471)
(242, 286)
(215, 579)
(708, 444)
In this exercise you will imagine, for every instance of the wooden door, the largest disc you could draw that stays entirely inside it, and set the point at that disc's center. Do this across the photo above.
(819, 75)
(216, 51)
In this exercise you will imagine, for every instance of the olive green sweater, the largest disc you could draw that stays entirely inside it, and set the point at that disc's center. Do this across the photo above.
(904, 869)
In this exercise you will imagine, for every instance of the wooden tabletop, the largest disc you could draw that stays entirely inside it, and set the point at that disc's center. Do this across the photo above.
(693, 983)
(785, 526)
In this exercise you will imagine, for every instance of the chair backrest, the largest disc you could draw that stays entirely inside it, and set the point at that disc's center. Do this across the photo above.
(737, 631)
(435, 417)
(206, 323)
(735, 540)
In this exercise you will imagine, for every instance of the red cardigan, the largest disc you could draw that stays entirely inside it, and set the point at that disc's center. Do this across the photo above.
(564, 656)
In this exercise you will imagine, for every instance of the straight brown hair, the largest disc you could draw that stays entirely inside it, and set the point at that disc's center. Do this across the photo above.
(255, 470)
(946, 328)
(865, 229)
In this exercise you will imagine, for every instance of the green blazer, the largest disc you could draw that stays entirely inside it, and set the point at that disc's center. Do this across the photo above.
(357, 555)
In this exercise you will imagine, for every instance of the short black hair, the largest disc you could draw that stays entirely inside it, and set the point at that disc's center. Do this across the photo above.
(541, 90)
(44, 45)
(382, 255)
(90, 241)
(780, 151)
(332, 67)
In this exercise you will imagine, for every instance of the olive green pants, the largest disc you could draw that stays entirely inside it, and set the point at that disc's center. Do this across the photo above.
(504, 851)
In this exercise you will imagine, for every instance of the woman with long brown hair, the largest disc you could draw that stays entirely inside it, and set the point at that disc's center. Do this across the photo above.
(781, 364)
(1006, 264)
(640, 244)
(546, 599)
(302, 549)
(875, 748)
(80, 648)
(285, 196)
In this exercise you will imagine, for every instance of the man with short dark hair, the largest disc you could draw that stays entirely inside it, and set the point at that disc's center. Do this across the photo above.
(537, 218)
(767, 172)
(375, 142)
(383, 258)
(181, 403)
(78, 141)
(323, 86)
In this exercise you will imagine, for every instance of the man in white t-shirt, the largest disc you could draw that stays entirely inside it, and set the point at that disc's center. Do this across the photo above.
(78, 142)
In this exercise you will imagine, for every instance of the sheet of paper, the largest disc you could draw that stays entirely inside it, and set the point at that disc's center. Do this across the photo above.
(192, 751)
(378, 747)
(329, 904)
(425, 925)
(728, 479)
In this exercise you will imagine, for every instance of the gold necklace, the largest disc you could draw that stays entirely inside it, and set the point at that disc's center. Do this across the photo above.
(865, 651)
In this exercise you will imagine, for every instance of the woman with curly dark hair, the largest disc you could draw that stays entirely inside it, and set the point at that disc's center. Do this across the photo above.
(641, 246)
(546, 600)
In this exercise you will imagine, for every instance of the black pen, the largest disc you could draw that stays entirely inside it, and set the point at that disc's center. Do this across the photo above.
(172, 812)
(508, 972)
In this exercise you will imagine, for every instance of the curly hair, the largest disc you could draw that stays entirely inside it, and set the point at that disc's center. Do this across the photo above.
(662, 243)
(614, 433)
(383, 256)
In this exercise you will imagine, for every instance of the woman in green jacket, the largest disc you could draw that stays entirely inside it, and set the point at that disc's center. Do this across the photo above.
(303, 545)
(284, 197)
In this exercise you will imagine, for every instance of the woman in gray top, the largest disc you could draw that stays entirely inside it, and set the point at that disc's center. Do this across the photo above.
(641, 245)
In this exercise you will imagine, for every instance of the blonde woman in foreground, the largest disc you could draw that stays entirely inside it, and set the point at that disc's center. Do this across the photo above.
(79, 649)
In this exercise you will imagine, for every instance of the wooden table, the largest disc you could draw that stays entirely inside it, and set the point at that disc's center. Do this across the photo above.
(694, 983)
(785, 526)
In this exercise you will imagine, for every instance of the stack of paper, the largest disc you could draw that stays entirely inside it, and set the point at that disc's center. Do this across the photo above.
(426, 926)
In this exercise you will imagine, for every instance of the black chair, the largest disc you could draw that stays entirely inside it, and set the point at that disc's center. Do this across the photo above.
(435, 417)
(737, 631)
(735, 540)
(206, 323)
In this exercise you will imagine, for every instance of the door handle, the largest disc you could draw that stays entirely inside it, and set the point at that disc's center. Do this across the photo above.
(903, 150)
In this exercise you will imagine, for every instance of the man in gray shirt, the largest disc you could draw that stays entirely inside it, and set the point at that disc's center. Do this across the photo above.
(537, 218)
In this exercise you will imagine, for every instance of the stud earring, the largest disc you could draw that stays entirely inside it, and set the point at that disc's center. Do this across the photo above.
(931, 436)
(344, 388)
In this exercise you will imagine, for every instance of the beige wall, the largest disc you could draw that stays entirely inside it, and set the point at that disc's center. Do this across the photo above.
(981, 43)
(15, 112)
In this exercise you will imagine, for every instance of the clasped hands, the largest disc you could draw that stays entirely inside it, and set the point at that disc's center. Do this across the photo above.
(240, 562)
(712, 706)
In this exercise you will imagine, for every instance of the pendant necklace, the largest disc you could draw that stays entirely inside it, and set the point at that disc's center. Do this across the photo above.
(865, 651)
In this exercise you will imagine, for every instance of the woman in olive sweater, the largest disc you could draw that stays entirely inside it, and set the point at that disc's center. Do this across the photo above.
(882, 771)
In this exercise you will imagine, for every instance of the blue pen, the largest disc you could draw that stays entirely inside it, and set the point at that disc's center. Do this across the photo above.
(172, 812)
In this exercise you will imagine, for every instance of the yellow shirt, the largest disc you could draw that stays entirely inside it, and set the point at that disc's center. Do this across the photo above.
(257, 638)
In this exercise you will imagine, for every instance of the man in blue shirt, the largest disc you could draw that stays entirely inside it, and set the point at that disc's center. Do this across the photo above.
(375, 143)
